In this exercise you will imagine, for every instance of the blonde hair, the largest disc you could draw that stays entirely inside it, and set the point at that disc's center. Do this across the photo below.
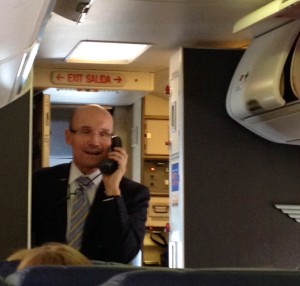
(53, 254)
(18, 254)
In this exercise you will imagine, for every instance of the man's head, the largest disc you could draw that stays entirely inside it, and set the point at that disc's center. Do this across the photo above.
(89, 134)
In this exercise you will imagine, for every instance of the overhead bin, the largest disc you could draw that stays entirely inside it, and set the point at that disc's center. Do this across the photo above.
(20, 37)
(295, 70)
(268, 17)
(256, 95)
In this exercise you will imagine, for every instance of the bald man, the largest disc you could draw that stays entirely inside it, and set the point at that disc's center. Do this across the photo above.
(115, 224)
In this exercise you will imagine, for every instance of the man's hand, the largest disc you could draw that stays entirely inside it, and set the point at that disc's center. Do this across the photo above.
(112, 182)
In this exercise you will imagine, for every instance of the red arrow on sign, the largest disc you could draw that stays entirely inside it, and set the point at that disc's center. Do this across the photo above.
(59, 77)
(118, 79)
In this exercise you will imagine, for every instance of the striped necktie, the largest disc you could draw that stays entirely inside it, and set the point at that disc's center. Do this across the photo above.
(79, 212)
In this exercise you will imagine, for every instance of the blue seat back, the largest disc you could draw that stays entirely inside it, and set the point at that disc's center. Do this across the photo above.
(205, 278)
(8, 267)
(65, 275)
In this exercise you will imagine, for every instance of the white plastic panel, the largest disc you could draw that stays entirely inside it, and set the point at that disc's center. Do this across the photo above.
(176, 173)
(8, 72)
(281, 125)
(295, 70)
(255, 96)
(256, 84)
(174, 115)
(268, 17)
(22, 26)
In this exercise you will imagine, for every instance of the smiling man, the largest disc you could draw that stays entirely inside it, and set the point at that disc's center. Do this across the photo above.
(102, 215)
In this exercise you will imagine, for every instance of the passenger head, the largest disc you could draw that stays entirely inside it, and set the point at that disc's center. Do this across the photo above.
(53, 254)
(89, 135)
(76, 257)
(18, 254)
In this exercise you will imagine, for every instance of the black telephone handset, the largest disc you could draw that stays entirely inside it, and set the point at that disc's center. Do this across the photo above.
(108, 166)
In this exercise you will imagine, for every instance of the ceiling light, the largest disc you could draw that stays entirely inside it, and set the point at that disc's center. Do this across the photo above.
(25, 68)
(105, 52)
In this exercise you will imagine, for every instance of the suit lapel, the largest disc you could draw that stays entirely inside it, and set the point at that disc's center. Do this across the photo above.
(62, 187)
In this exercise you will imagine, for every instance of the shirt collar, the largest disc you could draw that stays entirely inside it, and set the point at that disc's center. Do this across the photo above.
(75, 173)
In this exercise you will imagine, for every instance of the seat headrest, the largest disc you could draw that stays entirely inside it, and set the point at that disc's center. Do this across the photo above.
(65, 275)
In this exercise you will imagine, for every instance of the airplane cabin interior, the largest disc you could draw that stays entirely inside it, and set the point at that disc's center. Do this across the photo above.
(208, 112)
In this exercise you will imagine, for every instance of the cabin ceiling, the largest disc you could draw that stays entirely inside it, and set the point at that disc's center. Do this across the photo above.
(166, 24)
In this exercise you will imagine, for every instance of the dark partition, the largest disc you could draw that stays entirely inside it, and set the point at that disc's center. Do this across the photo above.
(14, 170)
(233, 177)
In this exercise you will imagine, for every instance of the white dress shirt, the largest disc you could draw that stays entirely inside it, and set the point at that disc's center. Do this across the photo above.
(72, 186)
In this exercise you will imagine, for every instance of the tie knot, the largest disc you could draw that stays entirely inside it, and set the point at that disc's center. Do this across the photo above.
(84, 182)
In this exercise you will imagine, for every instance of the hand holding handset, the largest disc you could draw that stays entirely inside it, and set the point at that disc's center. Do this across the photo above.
(108, 166)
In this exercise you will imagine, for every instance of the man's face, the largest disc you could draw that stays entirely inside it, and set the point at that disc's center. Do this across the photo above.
(90, 138)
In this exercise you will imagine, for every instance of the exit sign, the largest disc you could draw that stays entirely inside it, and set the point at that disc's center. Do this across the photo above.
(91, 79)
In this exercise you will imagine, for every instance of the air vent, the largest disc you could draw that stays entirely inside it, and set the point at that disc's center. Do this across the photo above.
(72, 10)
(293, 211)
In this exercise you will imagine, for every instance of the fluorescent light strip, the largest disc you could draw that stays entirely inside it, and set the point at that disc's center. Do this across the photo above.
(105, 53)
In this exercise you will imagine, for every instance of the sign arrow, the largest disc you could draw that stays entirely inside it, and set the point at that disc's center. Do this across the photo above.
(59, 77)
(118, 79)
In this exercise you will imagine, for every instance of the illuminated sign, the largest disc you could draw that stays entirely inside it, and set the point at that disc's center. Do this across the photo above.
(91, 79)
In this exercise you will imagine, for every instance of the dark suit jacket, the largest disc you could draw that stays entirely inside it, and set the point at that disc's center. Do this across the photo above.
(114, 230)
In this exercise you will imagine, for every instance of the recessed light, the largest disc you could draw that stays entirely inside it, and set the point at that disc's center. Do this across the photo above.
(105, 52)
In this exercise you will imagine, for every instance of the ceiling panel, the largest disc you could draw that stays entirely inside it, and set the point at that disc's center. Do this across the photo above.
(167, 24)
